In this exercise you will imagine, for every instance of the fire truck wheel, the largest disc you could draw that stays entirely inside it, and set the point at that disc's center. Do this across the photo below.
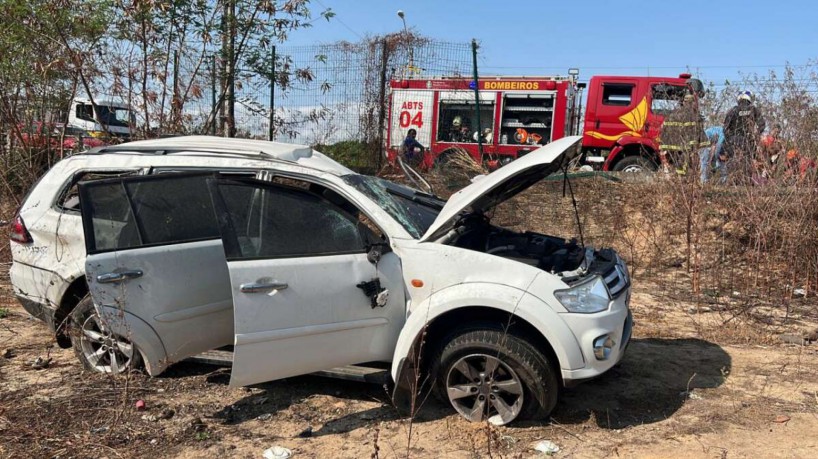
(635, 163)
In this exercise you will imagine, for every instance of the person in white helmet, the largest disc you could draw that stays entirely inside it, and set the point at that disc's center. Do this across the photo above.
(743, 126)
(459, 131)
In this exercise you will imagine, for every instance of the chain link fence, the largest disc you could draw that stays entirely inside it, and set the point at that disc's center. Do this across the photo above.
(334, 96)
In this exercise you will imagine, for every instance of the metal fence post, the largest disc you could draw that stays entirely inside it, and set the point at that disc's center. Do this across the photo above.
(382, 102)
(176, 102)
(477, 98)
(272, 95)
(214, 110)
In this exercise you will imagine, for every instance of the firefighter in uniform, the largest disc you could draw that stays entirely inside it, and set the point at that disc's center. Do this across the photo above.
(743, 126)
(682, 136)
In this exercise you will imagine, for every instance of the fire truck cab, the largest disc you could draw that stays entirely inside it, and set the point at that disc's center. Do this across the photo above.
(621, 126)
(624, 116)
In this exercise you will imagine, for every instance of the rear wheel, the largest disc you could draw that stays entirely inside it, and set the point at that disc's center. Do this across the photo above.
(96, 346)
(635, 163)
(489, 374)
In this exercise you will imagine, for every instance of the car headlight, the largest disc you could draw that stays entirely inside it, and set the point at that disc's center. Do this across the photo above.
(587, 297)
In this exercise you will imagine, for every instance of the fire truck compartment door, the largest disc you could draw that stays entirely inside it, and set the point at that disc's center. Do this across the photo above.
(411, 110)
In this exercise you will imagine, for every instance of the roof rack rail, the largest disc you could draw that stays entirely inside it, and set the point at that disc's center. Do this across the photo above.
(124, 148)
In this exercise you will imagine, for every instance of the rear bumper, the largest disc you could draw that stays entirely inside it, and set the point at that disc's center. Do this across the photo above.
(38, 310)
(38, 290)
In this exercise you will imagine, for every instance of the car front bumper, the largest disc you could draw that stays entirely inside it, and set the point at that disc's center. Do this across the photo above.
(603, 338)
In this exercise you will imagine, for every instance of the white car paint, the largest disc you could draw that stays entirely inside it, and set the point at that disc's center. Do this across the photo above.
(43, 270)
(288, 333)
(319, 321)
(188, 307)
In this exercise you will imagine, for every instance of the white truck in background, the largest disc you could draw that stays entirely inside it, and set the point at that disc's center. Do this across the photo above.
(113, 119)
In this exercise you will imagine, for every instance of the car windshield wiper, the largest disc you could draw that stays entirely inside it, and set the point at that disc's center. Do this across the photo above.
(421, 198)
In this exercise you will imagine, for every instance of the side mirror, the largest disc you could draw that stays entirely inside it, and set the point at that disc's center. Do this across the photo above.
(374, 254)
(375, 245)
(375, 251)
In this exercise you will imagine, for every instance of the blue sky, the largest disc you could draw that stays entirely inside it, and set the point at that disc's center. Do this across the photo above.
(717, 39)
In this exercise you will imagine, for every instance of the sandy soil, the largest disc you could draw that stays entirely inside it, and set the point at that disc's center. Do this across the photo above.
(679, 392)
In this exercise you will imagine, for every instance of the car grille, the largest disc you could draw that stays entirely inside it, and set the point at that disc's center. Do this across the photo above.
(616, 279)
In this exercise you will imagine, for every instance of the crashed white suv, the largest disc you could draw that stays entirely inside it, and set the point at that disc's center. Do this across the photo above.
(303, 265)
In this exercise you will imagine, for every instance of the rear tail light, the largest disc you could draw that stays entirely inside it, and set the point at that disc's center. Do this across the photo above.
(19, 232)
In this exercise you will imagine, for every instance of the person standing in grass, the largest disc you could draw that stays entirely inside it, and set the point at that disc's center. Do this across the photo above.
(682, 136)
(713, 155)
(743, 126)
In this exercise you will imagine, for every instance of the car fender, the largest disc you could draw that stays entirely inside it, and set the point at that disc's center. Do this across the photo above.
(139, 333)
(624, 143)
(498, 296)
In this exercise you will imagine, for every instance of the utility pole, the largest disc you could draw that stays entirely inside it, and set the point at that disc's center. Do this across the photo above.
(477, 98)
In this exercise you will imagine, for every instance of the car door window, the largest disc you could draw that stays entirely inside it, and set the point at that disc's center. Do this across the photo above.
(284, 222)
(109, 216)
(69, 200)
(151, 210)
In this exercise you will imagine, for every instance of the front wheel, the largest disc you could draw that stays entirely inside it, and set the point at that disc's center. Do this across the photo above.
(488, 374)
(636, 163)
(96, 346)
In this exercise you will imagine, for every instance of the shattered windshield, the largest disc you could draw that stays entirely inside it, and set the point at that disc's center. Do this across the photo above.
(414, 210)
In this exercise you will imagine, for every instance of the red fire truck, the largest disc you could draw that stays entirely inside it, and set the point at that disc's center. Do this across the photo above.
(622, 119)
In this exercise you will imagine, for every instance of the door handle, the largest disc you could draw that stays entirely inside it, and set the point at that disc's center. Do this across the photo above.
(110, 278)
(597, 124)
(261, 287)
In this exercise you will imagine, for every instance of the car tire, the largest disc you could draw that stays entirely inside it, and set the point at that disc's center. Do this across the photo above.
(635, 164)
(487, 373)
(96, 347)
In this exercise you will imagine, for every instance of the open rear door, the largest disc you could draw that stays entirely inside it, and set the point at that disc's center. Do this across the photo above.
(155, 264)
(306, 297)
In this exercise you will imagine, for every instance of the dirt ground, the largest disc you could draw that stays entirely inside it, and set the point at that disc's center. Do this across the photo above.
(681, 391)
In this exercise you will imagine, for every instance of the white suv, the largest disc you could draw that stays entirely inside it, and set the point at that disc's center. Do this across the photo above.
(303, 265)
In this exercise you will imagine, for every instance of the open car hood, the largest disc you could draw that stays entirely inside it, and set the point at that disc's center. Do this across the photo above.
(504, 183)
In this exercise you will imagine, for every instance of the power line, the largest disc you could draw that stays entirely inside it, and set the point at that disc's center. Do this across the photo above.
(337, 18)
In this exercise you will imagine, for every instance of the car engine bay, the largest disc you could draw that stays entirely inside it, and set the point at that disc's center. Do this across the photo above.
(565, 258)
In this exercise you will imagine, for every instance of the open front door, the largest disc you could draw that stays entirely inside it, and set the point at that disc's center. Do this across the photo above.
(155, 266)
(305, 293)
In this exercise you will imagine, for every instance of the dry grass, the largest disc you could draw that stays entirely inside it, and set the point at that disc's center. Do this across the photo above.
(731, 258)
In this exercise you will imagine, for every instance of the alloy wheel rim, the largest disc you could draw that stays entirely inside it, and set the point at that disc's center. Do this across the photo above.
(481, 386)
(105, 351)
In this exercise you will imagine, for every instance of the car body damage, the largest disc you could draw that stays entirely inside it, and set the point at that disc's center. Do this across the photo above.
(302, 266)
